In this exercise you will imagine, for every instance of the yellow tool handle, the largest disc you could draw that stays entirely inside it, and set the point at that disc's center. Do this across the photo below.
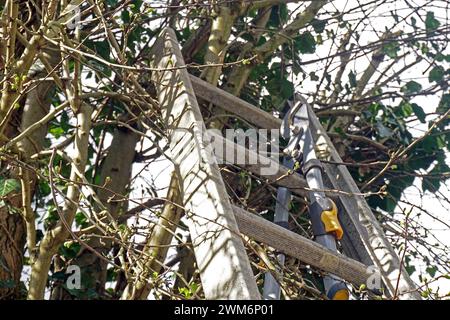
(331, 223)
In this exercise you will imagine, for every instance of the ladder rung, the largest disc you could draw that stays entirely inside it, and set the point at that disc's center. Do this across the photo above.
(281, 176)
(233, 104)
(301, 248)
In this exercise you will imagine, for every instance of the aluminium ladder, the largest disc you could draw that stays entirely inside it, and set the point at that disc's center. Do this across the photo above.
(215, 224)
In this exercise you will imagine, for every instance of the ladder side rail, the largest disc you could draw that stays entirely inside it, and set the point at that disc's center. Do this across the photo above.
(225, 269)
(358, 213)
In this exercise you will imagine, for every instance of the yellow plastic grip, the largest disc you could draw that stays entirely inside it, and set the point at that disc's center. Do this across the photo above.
(341, 295)
(331, 222)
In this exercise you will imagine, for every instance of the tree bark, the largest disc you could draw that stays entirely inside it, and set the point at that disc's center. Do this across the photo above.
(14, 227)
(56, 236)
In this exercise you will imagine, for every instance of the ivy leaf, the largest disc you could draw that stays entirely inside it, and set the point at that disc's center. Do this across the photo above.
(313, 76)
(52, 215)
(432, 184)
(81, 220)
(418, 111)
(185, 292)
(305, 43)
(410, 269)
(286, 89)
(284, 14)
(391, 49)
(70, 249)
(58, 275)
(278, 15)
(65, 121)
(436, 74)
(136, 5)
(7, 186)
(340, 131)
(111, 275)
(279, 87)
(194, 287)
(432, 271)
(406, 109)
(388, 204)
(411, 87)
(44, 188)
(319, 25)
(100, 47)
(125, 16)
(57, 132)
(431, 22)
(444, 104)
(111, 2)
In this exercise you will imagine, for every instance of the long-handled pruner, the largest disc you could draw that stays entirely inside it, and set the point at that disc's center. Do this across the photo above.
(322, 210)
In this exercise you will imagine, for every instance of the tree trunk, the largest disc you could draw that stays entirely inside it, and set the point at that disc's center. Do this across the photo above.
(13, 227)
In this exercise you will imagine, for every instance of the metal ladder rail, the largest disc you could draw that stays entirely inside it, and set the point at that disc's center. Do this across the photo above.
(217, 244)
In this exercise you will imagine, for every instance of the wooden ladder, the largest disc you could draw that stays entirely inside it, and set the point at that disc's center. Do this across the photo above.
(216, 225)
